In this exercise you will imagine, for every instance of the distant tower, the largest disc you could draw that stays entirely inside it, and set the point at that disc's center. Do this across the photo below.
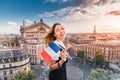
(23, 23)
(94, 31)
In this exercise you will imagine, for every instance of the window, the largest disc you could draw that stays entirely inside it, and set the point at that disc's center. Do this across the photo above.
(3, 66)
(11, 72)
(3, 60)
(4, 73)
(0, 60)
(5, 78)
(35, 51)
(10, 65)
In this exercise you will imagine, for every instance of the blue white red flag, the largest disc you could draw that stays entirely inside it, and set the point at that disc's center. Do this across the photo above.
(51, 52)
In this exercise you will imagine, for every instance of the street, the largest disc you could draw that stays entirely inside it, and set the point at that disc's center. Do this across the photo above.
(75, 70)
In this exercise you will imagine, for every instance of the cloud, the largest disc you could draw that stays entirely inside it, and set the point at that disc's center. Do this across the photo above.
(65, 14)
(87, 9)
(64, 0)
(93, 11)
(58, 14)
(9, 27)
(74, 14)
(70, 14)
(28, 21)
(53, 1)
(88, 3)
(104, 2)
(46, 14)
(115, 13)
(11, 23)
(9, 30)
(107, 28)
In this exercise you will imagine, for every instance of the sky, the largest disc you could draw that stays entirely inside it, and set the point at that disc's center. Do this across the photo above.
(77, 16)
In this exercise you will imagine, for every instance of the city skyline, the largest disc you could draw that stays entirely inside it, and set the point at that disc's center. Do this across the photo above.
(77, 16)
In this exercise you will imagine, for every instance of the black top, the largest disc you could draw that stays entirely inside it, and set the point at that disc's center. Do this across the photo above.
(58, 74)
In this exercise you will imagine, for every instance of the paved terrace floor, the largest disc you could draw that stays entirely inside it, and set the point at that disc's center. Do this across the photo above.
(75, 69)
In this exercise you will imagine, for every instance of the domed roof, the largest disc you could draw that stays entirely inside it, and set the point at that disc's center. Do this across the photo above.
(42, 29)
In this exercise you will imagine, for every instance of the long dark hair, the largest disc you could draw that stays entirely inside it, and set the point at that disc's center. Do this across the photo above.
(50, 36)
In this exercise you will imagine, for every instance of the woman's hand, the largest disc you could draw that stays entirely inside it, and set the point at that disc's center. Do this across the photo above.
(63, 55)
(68, 46)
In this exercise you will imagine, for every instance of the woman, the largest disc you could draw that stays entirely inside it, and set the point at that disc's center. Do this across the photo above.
(57, 67)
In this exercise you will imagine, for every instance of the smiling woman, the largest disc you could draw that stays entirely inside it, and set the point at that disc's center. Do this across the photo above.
(58, 57)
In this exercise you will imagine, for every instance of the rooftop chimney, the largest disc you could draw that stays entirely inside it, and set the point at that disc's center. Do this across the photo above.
(34, 22)
(41, 20)
(23, 23)
(21, 26)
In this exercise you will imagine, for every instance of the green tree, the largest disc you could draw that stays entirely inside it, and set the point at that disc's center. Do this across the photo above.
(24, 75)
(99, 58)
(80, 54)
(101, 74)
(31, 75)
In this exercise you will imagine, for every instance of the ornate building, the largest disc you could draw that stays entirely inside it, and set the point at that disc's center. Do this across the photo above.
(12, 61)
(10, 43)
(9, 40)
(32, 39)
(79, 44)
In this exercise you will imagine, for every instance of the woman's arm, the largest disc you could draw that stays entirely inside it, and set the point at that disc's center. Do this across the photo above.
(55, 65)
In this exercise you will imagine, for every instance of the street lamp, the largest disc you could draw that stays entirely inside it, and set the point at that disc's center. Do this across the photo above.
(84, 60)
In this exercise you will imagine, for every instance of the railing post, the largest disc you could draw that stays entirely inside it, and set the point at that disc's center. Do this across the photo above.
(84, 60)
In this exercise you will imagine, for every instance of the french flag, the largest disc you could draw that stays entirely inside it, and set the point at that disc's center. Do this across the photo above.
(51, 52)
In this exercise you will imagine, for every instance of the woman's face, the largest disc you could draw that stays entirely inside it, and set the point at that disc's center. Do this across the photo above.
(59, 32)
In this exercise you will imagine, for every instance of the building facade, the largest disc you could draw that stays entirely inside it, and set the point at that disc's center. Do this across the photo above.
(33, 39)
(110, 50)
(9, 40)
(12, 61)
(78, 44)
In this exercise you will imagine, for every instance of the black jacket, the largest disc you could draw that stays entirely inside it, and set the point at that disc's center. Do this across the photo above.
(60, 73)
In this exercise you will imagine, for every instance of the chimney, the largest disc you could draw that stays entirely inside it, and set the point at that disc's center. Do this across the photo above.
(21, 26)
(34, 22)
(23, 23)
(41, 20)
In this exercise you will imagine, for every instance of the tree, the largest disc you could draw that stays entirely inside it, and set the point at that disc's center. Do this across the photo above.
(101, 74)
(30, 75)
(24, 75)
(99, 58)
(80, 54)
